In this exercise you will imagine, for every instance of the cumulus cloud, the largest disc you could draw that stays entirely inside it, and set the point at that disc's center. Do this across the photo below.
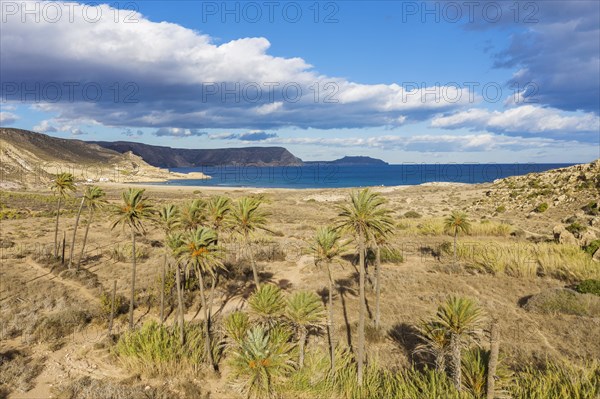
(177, 132)
(530, 119)
(8, 118)
(556, 47)
(44, 127)
(432, 143)
(172, 77)
(254, 135)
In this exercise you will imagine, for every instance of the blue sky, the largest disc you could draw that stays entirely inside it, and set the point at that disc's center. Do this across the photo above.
(399, 80)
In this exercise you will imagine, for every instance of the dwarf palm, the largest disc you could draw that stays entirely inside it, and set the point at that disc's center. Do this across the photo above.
(133, 212)
(247, 217)
(364, 217)
(63, 184)
(266, 305)
(457, 223)
(305, 312)
(262, 360)
(190, 214)
(200, 252)
(436, 342)
(327, 248)
(461, 318)
(168, 220)
(94, 199)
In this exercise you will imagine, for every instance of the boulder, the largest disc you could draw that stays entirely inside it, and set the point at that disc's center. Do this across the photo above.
(587, 238)
(563, 236)
(596, 255)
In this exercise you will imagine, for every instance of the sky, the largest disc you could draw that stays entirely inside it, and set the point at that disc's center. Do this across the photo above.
(403, 81)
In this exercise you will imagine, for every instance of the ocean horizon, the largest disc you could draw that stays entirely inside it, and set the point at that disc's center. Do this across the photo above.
(324, 175)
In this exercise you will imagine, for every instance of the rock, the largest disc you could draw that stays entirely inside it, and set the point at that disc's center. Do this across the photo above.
(587, 238)
(596, 255)
(562, 236)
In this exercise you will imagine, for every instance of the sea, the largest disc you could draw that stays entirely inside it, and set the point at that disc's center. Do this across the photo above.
(324, 175)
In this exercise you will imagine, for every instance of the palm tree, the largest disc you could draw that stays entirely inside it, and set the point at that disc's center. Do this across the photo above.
(94, 198)
(63, 184)
(436, 342)
(174, 242)
(305, 312)
(266, 305)
(327, 248)
(168, 218)
(457, 223)
(461, 318)
(247, 217)
(261, 360)
(200, 252)
(190, 214)
(364, 217)
(132, 213)
(216, 210)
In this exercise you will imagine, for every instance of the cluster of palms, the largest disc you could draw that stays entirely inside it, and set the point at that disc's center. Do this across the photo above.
(93, 198)
(192, 232)
(262, 344)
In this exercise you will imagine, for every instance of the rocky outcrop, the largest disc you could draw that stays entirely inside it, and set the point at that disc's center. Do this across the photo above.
(563, 236)
(167, 157)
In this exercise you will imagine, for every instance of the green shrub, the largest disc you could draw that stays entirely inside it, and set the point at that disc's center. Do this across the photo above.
(157, 350)
(589, 287)
(592, 247)
(391, 255)
(121, 305)
(576, 228)
(541, 208)
(591, 209)
(501, 209)
(412, 215)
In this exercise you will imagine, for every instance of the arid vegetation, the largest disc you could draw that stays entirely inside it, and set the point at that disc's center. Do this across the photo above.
(251, 294)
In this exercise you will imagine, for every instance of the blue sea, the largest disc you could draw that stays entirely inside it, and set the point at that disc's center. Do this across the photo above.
(321, 175)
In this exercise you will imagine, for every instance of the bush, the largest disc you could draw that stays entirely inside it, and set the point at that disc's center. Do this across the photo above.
(564, 301)
(17, 371)
(156, 350)
(391, 255)
(576, 228)
(591, 209)
(589, 287)
(592, 247)
(53, 328)
(501, 209)
(122, 252)
(412, 215)
(121, 305)
(541, 208)
(89, 388)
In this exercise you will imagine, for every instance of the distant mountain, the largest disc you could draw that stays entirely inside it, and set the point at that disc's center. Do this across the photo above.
(167, 157)
(29, 159)
(356, 160)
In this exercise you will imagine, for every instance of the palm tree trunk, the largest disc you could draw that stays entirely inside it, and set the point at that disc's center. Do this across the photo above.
(162, 291)
(87, 229)
(206, 330)
(493, 362)
(440, 362)
(133, 264)
(75, 232)
(56, 228)
(456, 362)
(361, 313)
(211, 298)
(112, 307)
(331, 322)
(180, 303)
(377, 285)
(254, 271)
(301, 345)
(455, 235)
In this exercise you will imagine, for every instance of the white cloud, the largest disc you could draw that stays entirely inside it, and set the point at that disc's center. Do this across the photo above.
(44, 127)
(177, 132)
(8, 118)
(171, 73)
(530, 119)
